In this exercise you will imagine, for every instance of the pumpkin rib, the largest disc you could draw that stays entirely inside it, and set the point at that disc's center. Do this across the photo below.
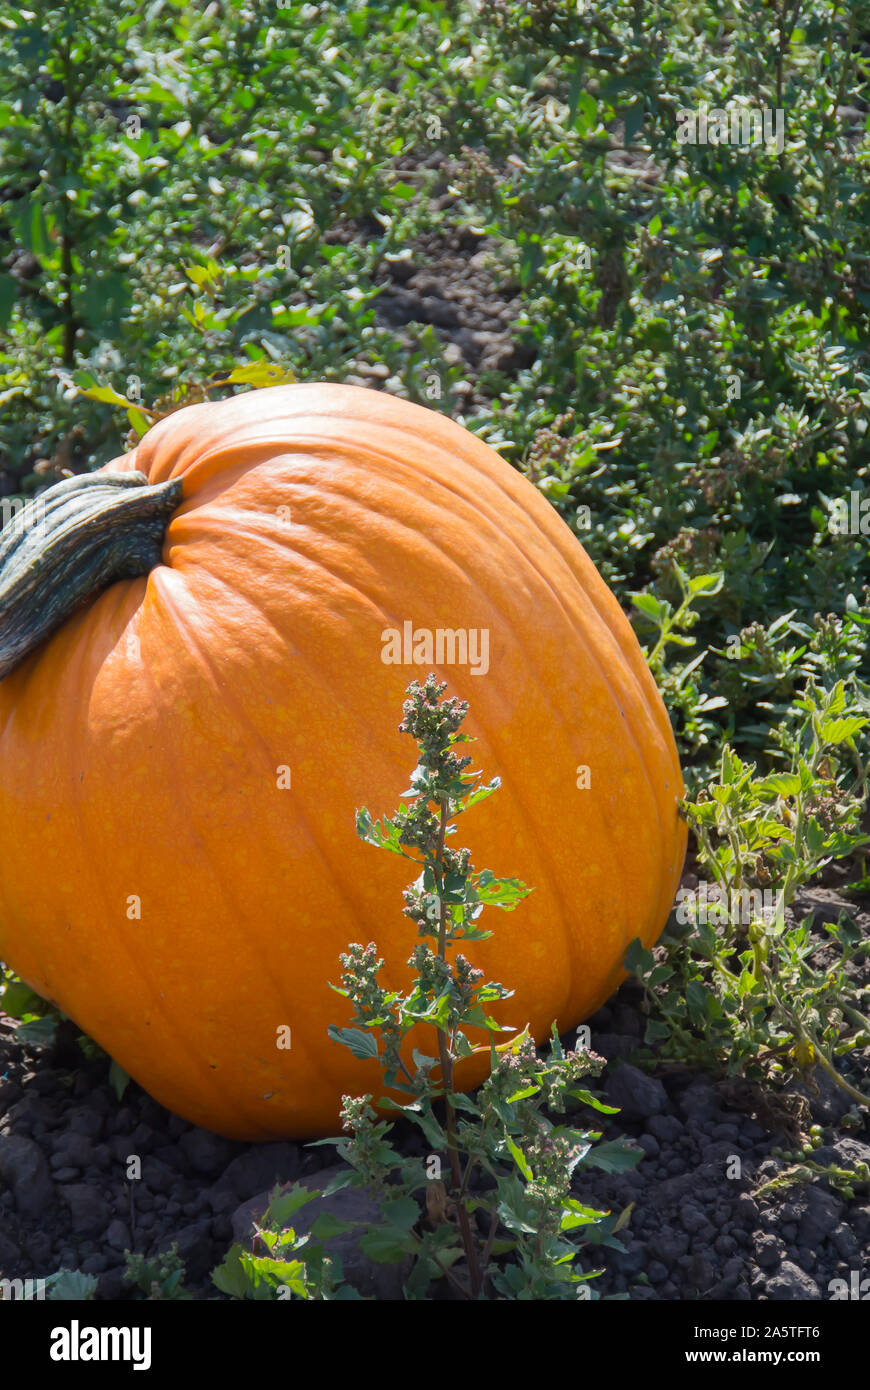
(333, 868)
(618, 624)
(510, 792)
(387, 975)
(255, 601)
(173, 1026)
(571, 620)
(389, 620)
(302, 443)
(310, 560)
(546, 858)
(79, 753)
(117, 597)
(194, 649)
(379, 454)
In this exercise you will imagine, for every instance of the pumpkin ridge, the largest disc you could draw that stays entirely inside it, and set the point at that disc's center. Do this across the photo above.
(77, 789)
(537, 836)
(617, 623)
(212, 1079)
(376, 454)
(173, 1026)
(572, 620)
(78, 753)
(510, 789)
(336, 879)
(545, 853)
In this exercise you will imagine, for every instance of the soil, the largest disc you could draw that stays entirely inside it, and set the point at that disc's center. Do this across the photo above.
(454, 286)
(699, 1227)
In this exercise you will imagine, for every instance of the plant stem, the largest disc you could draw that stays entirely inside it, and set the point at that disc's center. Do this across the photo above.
(447, 1078)
(829, 1068)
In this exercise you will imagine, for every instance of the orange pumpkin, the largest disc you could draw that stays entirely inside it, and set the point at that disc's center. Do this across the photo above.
(182, 757)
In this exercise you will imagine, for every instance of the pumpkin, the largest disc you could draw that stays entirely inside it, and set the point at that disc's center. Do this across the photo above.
(204, 649)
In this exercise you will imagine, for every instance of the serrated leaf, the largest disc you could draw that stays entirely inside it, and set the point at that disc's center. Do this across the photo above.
(284, 1205)
(401, 1212)
(781, 784)
(360, 1043)
(614, 1156)
(839, 730)
(38, 1032)
(19, 999)
(652, 607)
(327, 1225)
(68, 1286)
(387, 1245)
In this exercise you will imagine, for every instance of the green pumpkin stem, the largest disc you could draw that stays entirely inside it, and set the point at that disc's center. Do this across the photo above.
(71, 542)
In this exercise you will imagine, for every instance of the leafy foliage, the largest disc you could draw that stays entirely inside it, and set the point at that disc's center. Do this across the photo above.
(741, 987)
(505, 1132)
(199, 200)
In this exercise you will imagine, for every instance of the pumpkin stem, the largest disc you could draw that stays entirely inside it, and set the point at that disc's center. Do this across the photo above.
(71, 542)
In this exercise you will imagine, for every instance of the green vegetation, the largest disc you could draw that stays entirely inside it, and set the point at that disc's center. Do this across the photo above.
(191, 194)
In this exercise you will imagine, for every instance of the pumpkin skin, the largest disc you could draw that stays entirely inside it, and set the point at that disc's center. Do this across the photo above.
(142, 748)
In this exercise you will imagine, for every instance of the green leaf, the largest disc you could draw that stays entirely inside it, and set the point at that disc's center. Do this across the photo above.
(840, 730)
(139, 422)
(706, 583)
(340, 1181)
(401, 1212)
(432, 1130)
(654, 608)
(515, 1212)
(614, 1156)
(575, 1215)
(86, 384)
(39, 1032)
(28, 224)
(465, 1103)
(781, 784)
(637, 959)
(8, 296)
(119, 1079)
(588, 1099)
(520, 1160)
(696, 998)
(284, 1205)
(585, 114)
(259, 374)
(19, 1000)
(633, 117)
(277, 1273)
(523, 1094)
(387, 1245)
(362, 1044)
(327, 1225)
(69, 1285)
